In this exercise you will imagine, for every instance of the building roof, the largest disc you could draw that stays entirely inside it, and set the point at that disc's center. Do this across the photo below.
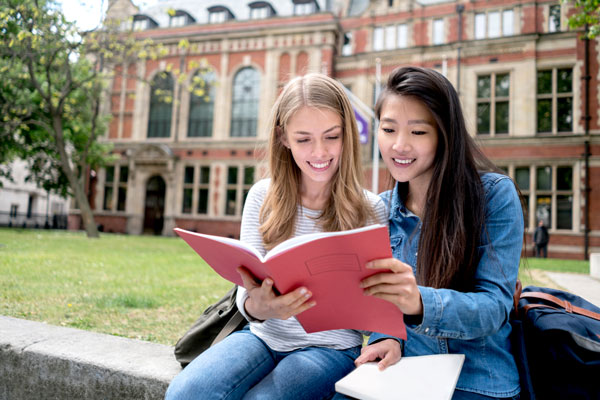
(199, 9)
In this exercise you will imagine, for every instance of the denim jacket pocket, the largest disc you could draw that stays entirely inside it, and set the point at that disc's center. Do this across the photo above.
(396, 244)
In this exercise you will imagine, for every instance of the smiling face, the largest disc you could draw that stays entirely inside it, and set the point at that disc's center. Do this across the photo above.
(408, 139)
(314, 137)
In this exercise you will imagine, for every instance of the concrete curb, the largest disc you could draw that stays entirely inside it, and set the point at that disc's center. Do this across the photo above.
(40, 361)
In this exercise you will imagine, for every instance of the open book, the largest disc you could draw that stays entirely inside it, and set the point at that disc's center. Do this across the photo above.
(430, 377)
(330, 264)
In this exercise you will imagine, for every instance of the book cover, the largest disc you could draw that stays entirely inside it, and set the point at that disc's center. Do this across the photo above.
(429, 377)
(330, 264)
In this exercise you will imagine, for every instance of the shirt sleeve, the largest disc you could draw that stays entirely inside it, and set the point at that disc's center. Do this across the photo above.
(452, 314)
(250, 234)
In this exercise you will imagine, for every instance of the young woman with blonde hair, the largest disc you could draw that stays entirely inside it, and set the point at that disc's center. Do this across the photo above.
(314, 185)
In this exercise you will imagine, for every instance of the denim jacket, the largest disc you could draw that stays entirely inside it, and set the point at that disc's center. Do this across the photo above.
(475, 323)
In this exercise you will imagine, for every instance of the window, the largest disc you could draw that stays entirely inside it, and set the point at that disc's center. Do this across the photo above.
(550, 189)
(378, 41)
(30, 202)
(554, 195)
(244, 105)
(402, 39)
(14, 210)
(159, 121)
(305, 7)
(347, 45)
(217, 17)
(493, 104)
(555, 100)
(554, 18)
(178, 20)
(239, 181)
(438, 31)
(480, 26)
(203, 188)
(390, 37)
(507, 23)
(115, 188)
(494, 24)
(122, 190)
(260, 12)
(191, 186)
(142, 22)
(140, 25)
(202, 101)
(109, 186)
(188, 190)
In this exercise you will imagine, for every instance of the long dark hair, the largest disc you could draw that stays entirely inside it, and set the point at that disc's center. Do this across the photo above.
(454, 214)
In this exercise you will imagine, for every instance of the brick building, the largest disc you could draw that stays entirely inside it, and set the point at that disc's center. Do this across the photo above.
(529, 87)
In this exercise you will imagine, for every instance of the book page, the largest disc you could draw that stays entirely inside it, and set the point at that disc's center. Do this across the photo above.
(231, 242)
(430, 377)
(225, 255)
(298, 240)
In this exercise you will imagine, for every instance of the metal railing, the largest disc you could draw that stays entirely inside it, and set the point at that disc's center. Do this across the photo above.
(35, 221)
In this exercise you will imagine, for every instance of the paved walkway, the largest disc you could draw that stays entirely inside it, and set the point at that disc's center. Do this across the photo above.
(579, 284)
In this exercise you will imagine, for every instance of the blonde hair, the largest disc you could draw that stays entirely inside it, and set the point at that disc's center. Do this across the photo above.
(347, 207)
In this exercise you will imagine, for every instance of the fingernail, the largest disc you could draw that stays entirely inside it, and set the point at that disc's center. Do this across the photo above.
(369, 265)
(303, 291)
(268, 281)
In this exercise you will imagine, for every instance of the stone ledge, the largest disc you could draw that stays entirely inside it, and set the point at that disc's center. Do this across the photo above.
(40, 361)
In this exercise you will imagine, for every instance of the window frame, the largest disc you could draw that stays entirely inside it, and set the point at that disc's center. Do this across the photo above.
(115, 185)
(532, 193)
(195, 186)
(241, 188)
(555, 96)
(199, 103)
(244, 104)
(552, 22)
(493, 100)
(482, 25)
(154, 100)
(438, 26)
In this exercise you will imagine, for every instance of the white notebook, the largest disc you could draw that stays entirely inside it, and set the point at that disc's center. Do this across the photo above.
(431, 377)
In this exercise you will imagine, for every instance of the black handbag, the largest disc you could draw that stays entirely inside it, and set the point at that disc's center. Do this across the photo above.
(556, 344)
(215, 323)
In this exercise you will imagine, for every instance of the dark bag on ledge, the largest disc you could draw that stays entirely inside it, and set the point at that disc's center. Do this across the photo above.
(556, 343)
(215, 323)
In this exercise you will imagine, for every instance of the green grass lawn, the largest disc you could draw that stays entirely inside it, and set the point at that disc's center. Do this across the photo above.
(149, 288)
(143, 287)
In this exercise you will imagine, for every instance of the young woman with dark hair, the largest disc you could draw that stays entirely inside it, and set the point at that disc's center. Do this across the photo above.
(456, 228)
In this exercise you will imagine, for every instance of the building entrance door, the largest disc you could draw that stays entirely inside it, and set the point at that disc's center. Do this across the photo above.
(154, 206)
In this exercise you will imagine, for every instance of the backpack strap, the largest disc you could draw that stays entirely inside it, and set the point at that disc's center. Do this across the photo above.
(567, 306)
(229, 327)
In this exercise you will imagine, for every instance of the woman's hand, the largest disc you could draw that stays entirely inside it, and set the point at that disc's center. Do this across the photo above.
(398, 286)
(388, 351)
(263, 303)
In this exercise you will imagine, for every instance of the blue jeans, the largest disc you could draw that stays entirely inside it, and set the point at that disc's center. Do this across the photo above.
(243, 366)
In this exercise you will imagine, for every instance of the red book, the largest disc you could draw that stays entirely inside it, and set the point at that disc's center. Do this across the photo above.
(330, 264)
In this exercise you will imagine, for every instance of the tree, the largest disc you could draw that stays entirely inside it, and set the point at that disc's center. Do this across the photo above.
(54, 80)
(53, 113)
(586, 15)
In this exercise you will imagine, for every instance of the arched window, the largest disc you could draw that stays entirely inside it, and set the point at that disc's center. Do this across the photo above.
(161, 93)
(202, 102)
(244, 104)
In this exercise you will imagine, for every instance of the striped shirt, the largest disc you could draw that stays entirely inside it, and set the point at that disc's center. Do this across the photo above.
(287, 335)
